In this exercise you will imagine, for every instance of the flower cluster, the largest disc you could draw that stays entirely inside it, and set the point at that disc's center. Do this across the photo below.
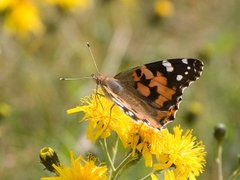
(164, 8)
(22, 17)
(179, 154)
(69, 4)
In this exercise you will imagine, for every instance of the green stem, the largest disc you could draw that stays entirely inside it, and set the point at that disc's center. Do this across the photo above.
(108, 155)
(219, 162)
(127, 159)
(115, 149)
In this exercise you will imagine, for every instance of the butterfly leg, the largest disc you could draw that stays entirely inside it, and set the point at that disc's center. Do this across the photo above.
(110, 117)
(97, 99)
(111, 113)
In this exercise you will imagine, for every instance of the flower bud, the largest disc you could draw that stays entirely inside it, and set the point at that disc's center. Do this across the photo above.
(49, 157)
(219, 132)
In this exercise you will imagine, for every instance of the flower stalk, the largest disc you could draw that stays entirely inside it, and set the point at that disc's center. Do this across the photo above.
(219, 162)
(219, 134)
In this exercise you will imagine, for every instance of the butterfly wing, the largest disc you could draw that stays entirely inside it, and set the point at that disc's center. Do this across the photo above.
(160, 85)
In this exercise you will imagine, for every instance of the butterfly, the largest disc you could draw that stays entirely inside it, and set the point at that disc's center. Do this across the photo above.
(151, 93)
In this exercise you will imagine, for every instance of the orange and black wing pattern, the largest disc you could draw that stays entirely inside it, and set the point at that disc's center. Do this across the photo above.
(163, 83)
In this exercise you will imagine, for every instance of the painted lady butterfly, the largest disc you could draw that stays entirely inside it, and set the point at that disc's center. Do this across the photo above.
(151, 93)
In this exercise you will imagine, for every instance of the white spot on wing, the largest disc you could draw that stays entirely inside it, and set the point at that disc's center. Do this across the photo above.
(166, 63)
(186, 73)
(185, 61)
(188, 67)
(169, 69)
(179, 77)
(168, 66)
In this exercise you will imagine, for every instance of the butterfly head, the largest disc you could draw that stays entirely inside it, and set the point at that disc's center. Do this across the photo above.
(98, 79)
(109, 84)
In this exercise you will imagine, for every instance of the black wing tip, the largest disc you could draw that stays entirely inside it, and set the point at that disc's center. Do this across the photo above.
(200, 62)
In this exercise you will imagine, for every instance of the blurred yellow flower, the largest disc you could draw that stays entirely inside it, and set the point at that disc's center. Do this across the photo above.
(182, 151)
(163, 8)
(5, 110)
(79, 169)
(129, 3)
(70, 4)
(196, 107)
(4, 4)
(22, 17)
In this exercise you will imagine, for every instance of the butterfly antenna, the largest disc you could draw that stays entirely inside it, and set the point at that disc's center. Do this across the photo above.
(94, 61)
(72, 79)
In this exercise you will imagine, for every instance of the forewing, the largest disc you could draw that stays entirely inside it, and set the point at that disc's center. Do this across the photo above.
(161, 83)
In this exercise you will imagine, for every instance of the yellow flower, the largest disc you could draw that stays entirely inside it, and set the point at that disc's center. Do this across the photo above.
(70, 4)
(140, 138)
(101, 115)
(79, 169)
(183, 152)
(23, 18)
(164, 8)
(103, 119)
(169, 175)
(154, 177)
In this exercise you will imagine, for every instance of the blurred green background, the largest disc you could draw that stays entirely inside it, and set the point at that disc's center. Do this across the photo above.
(43, 40)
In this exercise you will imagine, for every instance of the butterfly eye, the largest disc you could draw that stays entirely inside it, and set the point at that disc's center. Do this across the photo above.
(94, 76)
